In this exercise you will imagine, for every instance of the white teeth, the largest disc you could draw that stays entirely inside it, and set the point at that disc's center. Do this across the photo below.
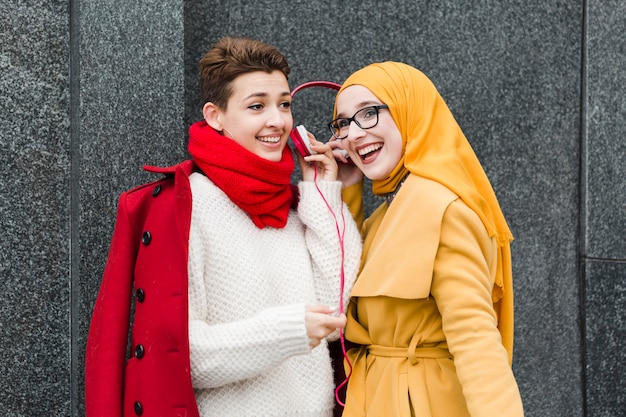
(370, 148)
(270, 139)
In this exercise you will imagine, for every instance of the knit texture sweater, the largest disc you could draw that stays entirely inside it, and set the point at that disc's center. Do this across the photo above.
(248, 288)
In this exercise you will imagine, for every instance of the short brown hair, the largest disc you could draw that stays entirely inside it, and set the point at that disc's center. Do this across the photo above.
(231, 57)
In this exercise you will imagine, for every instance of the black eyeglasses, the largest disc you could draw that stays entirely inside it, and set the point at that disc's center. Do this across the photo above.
(366, 118)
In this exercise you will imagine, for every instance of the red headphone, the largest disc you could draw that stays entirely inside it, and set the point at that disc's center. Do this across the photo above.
(301, 141)
(298, 134)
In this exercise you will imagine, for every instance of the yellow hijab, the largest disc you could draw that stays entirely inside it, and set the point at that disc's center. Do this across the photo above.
(436, 148)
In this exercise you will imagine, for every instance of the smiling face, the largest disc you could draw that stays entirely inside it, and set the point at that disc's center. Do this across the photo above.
(258, 115)
(375, 151)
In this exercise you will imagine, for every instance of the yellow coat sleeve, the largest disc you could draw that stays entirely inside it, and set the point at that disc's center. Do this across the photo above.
(462, 285)
(353, 197)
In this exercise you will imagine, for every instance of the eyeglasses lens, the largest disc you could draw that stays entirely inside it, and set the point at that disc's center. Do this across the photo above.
(365, 118)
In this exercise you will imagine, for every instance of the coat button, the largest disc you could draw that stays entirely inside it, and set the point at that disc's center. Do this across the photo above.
(139, 351)
(146, 237)
(156, 190)
(138, 408)
(140, 294)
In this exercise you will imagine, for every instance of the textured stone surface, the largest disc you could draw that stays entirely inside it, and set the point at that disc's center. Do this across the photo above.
(34, 208)
(126, 105)
(512, 73)
(132, 106)
(604, 220)
(605, 307)
(605, 136)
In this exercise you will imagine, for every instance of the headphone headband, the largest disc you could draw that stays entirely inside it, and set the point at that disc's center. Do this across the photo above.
(319, 83)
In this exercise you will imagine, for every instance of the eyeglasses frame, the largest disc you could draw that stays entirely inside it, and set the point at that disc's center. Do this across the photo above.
(378, 108)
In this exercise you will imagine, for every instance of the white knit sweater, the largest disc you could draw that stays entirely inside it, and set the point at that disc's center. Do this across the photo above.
(248, 288)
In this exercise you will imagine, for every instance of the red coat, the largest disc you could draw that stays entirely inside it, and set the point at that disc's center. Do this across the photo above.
(146, 267)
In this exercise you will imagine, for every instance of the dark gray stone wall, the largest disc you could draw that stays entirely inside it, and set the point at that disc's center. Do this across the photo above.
(91, 91)
(131, 111)
(35, 166)
(603, 210)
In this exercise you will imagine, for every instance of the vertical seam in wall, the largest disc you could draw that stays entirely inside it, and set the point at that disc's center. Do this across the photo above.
(74, 148)
(582, 205)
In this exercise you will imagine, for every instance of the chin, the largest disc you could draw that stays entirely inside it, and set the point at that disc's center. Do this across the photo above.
(271, 156)
(375, 175)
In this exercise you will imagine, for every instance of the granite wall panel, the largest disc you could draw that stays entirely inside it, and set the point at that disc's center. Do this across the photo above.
(605, 112)
(605, 325)
(90, 91)
(34, 208)
(604, 209)
(131, 114)
(510, 72)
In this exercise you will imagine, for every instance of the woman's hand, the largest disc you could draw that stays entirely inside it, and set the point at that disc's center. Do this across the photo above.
(348, 173)
(323, 161)
(320, 322)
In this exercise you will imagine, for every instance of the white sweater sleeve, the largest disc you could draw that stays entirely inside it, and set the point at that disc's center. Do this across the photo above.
(332, 237)
(228, 352)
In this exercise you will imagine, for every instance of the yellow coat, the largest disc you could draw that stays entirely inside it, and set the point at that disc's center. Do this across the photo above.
(430, 343)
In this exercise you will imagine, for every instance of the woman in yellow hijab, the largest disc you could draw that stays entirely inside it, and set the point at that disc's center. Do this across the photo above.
(432, 309)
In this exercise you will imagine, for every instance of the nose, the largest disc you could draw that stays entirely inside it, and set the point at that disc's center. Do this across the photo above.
(354, 131)
(279, 117)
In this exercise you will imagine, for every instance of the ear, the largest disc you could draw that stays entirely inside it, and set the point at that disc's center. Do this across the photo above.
(211, 115)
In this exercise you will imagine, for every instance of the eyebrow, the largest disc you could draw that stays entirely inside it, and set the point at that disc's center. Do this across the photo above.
(361, 106)
(261, 94)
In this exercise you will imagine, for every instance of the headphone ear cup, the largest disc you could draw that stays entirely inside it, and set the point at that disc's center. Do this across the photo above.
(298, 134)
(299, 143)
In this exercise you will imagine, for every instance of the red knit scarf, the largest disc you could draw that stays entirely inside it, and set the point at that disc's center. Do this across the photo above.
(256, 185)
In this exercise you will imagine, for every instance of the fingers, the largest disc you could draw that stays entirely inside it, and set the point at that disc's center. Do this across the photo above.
(342, 155)
(339, 152)
(320, 147)
(320, 322)
(323, 159)
(322, 309)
